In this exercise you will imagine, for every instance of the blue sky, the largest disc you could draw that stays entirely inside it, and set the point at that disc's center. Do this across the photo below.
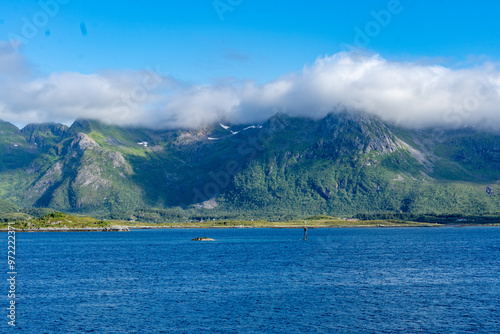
(421, 63)
(258, 40)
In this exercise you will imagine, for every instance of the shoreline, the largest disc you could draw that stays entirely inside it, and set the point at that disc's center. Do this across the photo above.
(126, 228)
(67, 229)
(308, 227)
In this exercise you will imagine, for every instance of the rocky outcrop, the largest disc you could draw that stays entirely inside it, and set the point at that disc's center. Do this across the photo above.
(81, 143)
(48, 180)
(209, 205)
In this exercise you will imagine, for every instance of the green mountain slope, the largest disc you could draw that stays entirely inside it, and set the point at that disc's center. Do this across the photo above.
(15, 151)
(350, 163)
(44, 136)
(343, 164)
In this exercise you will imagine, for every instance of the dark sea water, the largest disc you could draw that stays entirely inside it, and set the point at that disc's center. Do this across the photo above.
(408, 280)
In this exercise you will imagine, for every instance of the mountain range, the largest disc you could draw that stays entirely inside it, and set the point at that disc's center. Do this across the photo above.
(344, 164)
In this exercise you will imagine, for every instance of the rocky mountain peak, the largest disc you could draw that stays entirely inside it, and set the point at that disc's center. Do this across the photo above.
(278, 122)
(44, 134)
(364, 132)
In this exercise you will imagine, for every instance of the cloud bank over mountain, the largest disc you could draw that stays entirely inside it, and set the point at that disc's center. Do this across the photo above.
(408, 94)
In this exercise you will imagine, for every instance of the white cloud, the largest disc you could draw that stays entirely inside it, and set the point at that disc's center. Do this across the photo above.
(409, 94)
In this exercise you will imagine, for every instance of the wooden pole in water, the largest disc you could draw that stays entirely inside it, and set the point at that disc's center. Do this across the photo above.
(305, 231)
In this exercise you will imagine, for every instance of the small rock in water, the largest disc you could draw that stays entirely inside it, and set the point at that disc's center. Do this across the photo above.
(202, 239)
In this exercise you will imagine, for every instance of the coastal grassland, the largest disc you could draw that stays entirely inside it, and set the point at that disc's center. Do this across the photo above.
(39, 219)
(57, 220)
(311, 222)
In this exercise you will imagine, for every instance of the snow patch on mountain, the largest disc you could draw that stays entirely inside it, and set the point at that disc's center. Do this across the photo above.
(253, 127)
